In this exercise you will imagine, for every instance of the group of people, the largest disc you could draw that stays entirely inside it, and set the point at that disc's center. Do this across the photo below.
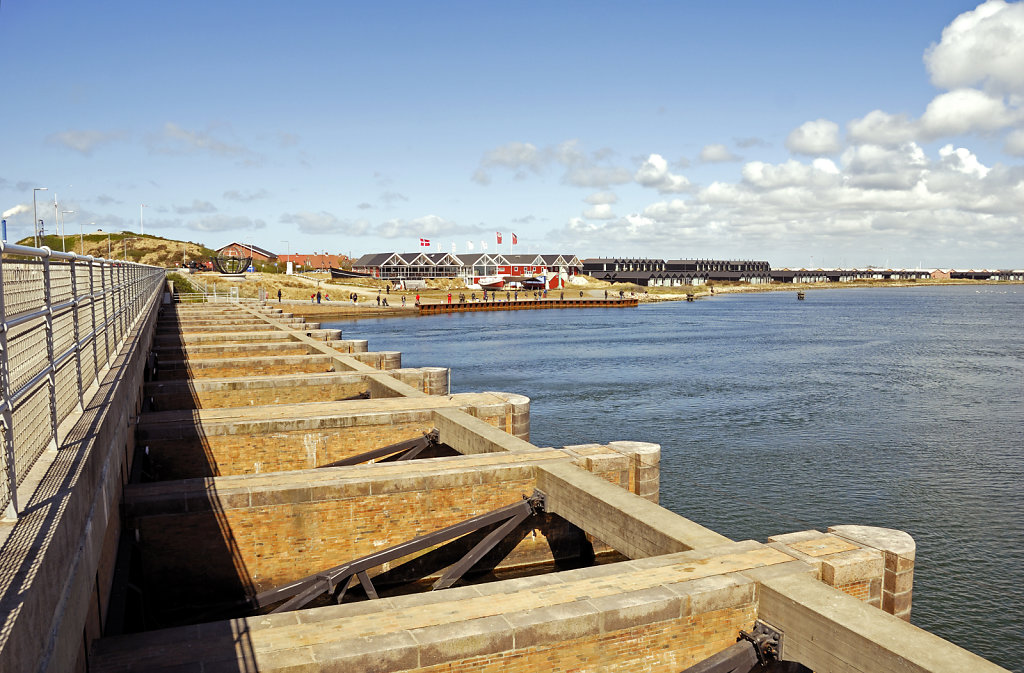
(315, 297)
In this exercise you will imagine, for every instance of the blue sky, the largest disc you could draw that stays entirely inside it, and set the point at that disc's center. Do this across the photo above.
(800, 132)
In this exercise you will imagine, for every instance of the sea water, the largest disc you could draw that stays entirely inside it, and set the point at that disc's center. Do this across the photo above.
(893, 407)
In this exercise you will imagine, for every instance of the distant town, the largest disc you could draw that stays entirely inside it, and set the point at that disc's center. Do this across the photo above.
(555, 270)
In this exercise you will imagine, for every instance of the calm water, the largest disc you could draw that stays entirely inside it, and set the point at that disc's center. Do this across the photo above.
(901, 408)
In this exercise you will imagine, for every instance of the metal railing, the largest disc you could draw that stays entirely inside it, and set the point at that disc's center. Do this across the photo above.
(63, 319)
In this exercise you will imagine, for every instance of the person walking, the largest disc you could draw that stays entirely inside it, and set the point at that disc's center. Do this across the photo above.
(403, 301)
(449, 297)
(318, 295)
(378, 298)
(417, 298)
(279, 296)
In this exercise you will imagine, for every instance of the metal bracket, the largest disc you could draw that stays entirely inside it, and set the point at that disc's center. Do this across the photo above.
(767, 642)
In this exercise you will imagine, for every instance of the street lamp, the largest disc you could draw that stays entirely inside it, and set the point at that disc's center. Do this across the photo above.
(142, 231)
(35, 217)
(62, 230)
(81, 238)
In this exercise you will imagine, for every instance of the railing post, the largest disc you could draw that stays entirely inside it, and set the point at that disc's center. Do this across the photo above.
(48, 321)
(95, 330)
(78, 344)
(11, 511)
(106, 318)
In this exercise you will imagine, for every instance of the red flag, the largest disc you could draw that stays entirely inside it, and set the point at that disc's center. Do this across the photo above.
(425, 242)
(515, 240)
(498, 234)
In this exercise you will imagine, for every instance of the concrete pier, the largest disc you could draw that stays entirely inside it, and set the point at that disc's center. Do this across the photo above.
(232, 493)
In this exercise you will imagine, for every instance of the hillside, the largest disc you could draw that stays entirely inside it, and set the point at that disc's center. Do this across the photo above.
(144, 249)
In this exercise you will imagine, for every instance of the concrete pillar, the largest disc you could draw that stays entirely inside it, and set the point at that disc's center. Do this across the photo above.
(518, 418)
(644, 467)
(898, 551)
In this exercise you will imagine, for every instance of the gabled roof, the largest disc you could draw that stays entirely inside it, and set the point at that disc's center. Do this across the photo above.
(373, 259)
(413, 259)
(443, 259)
(249, 246)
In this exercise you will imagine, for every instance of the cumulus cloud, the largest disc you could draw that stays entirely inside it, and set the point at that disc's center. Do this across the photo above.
(983, 47)
(216, 223)
(938, 206)
(717, 153)
(881, 128)
(814, 138)
(964, 111)
(84, 141)
(654, 173)
(196, 206)
(580, 168)
(600, 211)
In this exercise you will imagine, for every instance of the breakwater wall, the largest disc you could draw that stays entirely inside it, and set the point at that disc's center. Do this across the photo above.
(237, 491)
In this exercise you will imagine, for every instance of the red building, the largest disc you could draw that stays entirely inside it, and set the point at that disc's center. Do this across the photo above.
(257, 253)
(312, 261)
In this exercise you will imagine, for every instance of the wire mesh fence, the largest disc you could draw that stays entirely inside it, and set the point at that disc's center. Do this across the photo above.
(63, 318)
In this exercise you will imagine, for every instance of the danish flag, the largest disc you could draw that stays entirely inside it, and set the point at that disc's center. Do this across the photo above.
(498, 234)
(515, 240)
(425, 242)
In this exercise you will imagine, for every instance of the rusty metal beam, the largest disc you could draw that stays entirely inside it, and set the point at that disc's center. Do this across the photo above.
(299, 593)
(410, 448)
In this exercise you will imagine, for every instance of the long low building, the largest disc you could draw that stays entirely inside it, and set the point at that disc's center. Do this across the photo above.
(676, 272)
(400, 266)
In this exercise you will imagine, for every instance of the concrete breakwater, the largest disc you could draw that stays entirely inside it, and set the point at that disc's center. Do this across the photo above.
(230, 497)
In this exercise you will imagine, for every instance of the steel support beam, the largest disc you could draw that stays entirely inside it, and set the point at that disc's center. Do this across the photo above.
(409, 449)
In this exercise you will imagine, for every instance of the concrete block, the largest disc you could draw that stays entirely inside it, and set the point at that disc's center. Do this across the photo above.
(373, 654)
(638, 608)
(459, 640)
(555, 624)
(717, 592)
(851, 566)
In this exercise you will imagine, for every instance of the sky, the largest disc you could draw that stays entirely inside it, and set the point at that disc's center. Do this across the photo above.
(808, 134)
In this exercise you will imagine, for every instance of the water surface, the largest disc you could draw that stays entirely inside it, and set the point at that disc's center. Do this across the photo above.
(894, 407)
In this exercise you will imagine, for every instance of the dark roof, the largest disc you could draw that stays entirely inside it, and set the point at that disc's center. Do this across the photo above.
(373, 259)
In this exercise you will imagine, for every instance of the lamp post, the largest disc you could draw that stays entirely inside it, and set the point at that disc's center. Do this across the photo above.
(35, 217)
(81, 238)
(142, 231)
(62, 230)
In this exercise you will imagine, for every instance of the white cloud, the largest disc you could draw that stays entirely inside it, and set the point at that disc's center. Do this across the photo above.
(893, 198)
(84, 141)
(881, 128)
(581, 169)
(599, 198)
(196, 206)
(654, 173)
(176, 140)
(877, 167)
(965, 111)
(717, 153)
(985, 47)
(962, 160)
(814, 138)
(601, 211)
(1015, 143)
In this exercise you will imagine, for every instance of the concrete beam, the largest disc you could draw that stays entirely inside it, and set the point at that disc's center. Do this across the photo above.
(630, 524)
(827, 630)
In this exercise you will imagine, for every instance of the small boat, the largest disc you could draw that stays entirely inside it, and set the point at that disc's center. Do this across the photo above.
(341, 273)
(491, 282)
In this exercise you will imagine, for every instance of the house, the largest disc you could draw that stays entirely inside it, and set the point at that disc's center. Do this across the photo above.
(257, 253)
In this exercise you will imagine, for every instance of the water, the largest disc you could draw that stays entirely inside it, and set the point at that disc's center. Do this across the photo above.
(894, 407)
